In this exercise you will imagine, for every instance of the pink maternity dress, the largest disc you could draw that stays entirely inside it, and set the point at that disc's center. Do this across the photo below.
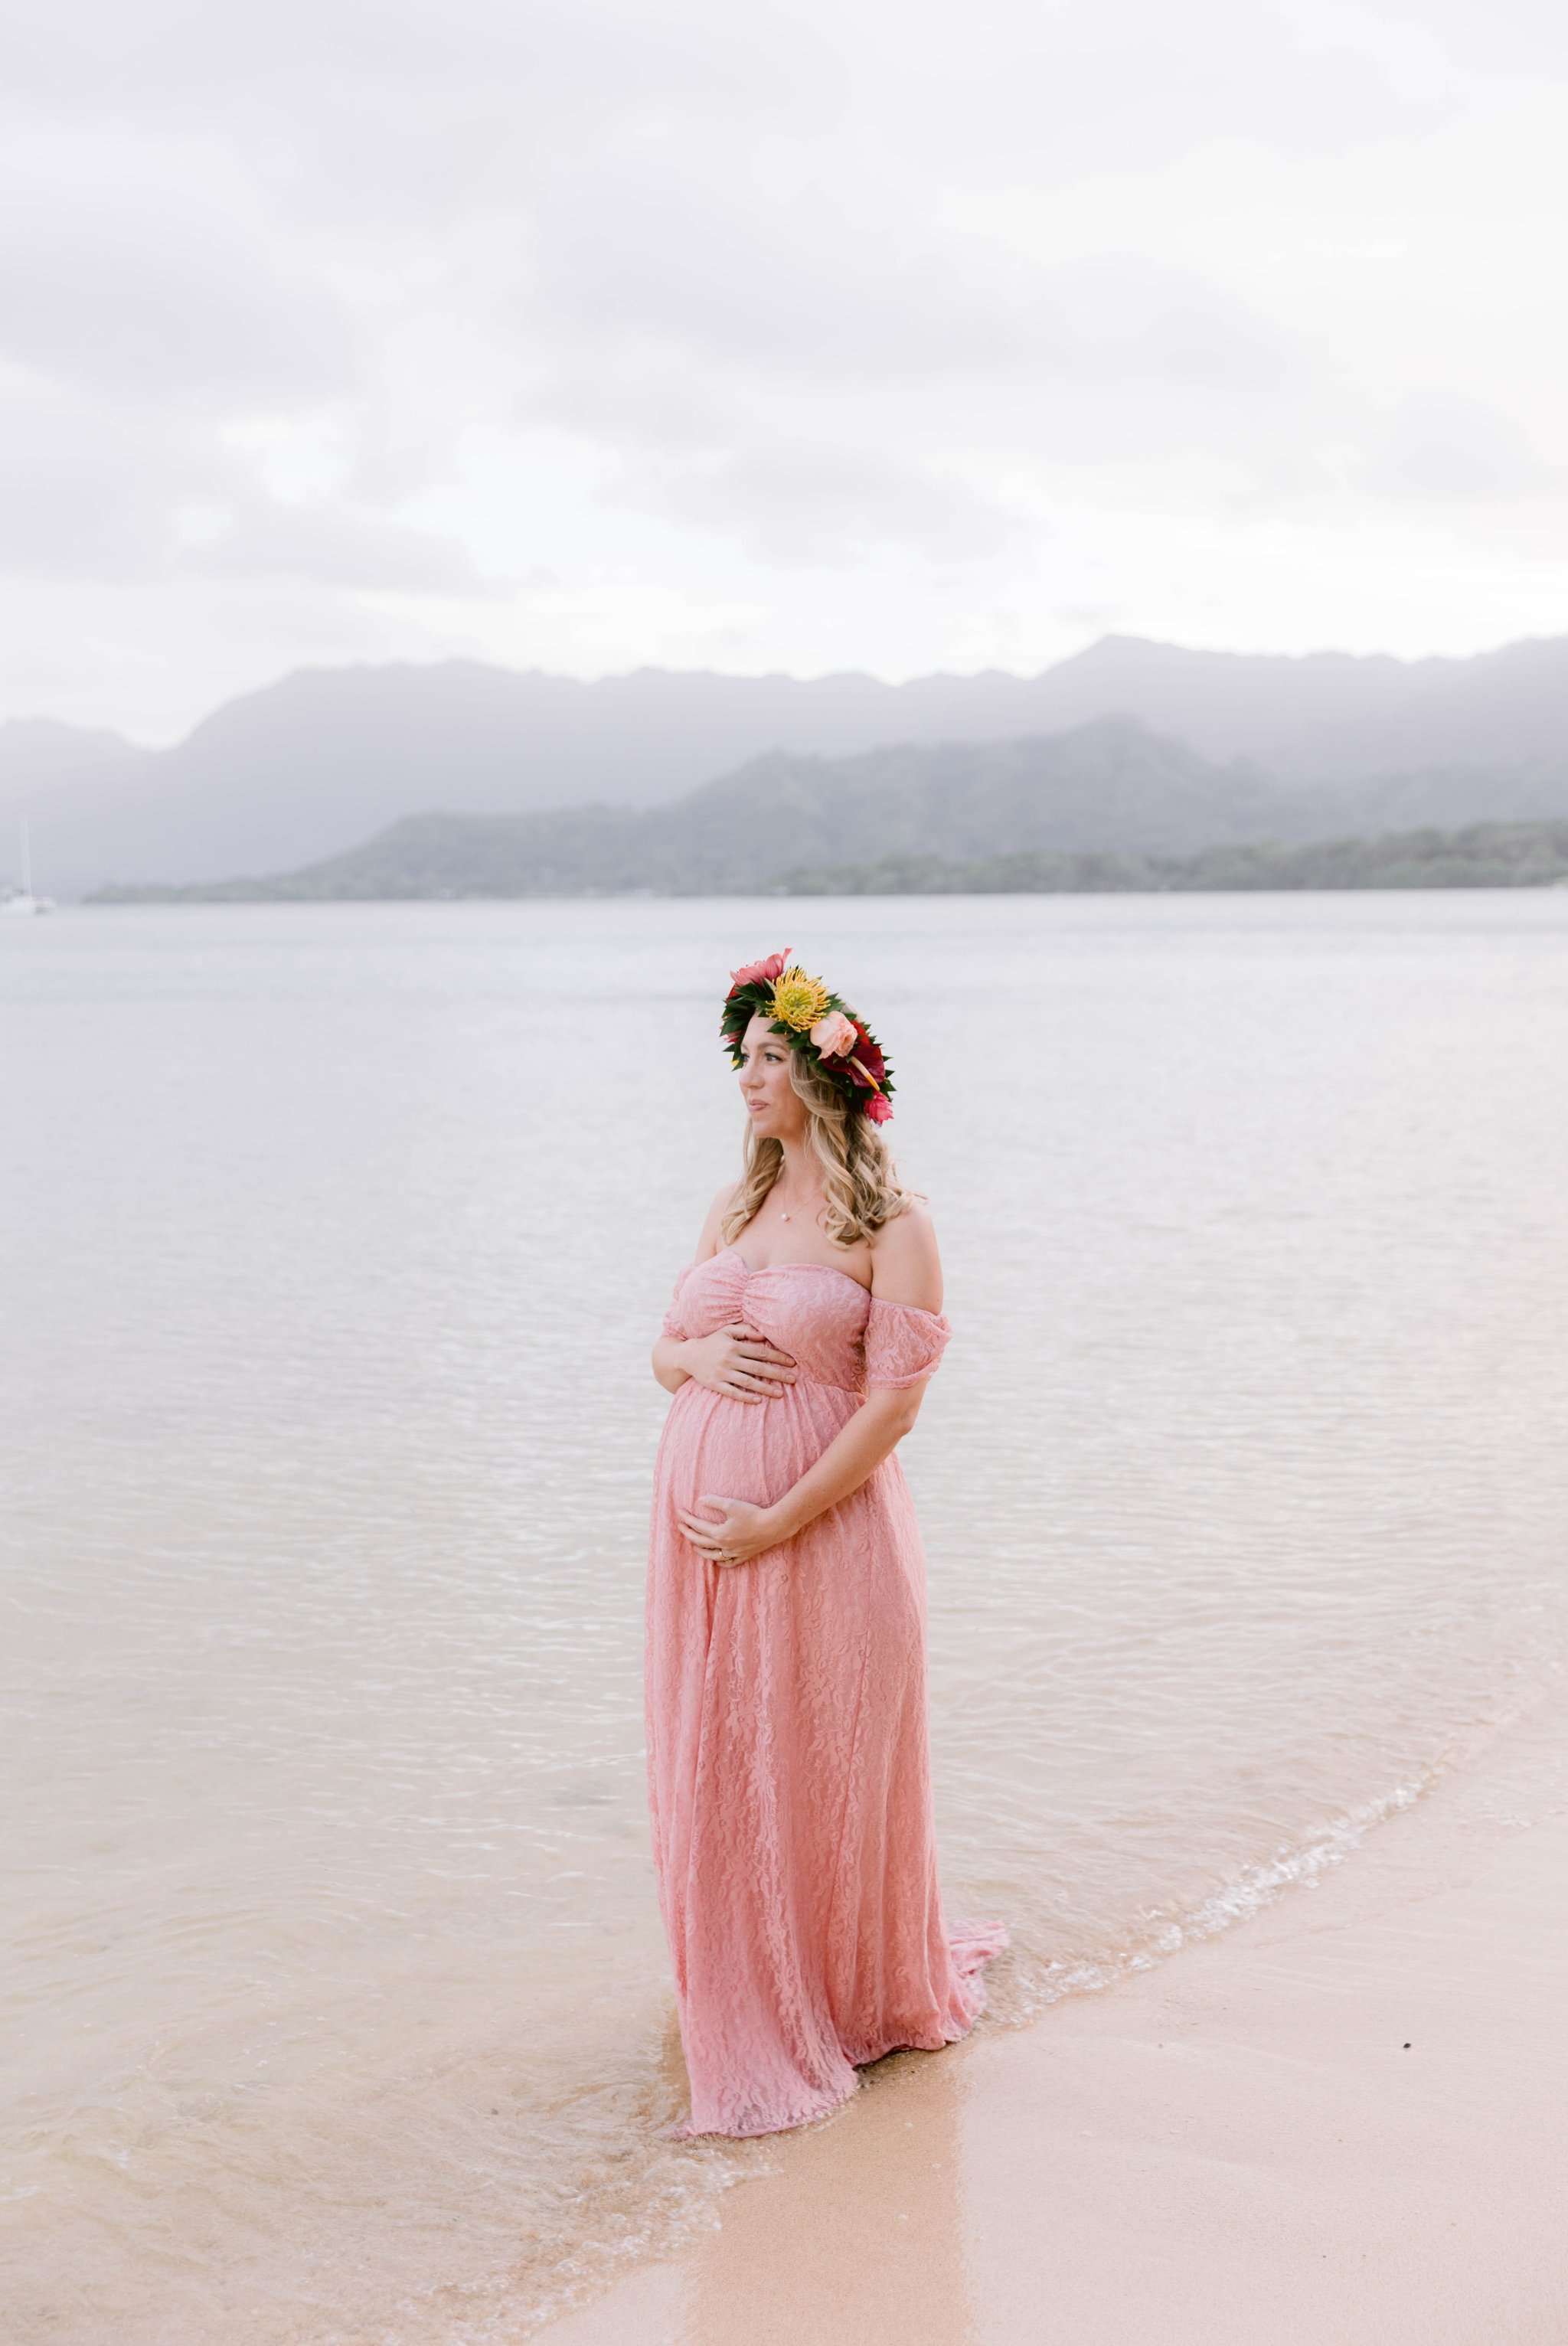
(788, 1768)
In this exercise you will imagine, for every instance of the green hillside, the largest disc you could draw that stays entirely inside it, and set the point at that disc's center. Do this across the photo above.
(1108, 782)
(1487, 855)
(1109, 806)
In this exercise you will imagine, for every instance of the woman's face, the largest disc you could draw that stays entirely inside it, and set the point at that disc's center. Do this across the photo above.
(776, 1108)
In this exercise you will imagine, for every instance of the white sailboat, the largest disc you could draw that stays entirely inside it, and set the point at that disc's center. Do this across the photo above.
(21, 903)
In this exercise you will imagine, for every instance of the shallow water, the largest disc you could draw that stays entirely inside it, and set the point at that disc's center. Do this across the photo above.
(333, 1241)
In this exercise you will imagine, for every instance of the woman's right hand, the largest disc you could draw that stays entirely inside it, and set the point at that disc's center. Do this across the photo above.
(737, 1362)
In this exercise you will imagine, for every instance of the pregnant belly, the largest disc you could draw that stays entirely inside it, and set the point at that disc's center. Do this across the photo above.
(747, 1450)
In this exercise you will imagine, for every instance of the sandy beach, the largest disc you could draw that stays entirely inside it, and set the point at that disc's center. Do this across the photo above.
(1343, 2123)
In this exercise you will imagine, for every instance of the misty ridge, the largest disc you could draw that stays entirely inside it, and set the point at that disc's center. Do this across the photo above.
(459, 778)
(1110, 805)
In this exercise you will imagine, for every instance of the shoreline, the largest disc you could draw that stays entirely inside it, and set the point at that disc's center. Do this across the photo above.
(1340, 2122)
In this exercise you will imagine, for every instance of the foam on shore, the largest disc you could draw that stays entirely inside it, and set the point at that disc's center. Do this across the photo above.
(1342, 2120)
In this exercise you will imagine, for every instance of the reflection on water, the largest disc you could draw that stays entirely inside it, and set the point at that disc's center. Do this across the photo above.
(337, 1237)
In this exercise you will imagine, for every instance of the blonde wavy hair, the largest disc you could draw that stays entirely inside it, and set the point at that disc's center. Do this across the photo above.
(859, 1182)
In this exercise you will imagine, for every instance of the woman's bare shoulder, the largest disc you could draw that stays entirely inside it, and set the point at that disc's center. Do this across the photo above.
(712, 1229)
(906, 1266)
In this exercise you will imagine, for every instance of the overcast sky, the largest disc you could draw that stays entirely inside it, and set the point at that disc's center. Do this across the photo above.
(721, 333)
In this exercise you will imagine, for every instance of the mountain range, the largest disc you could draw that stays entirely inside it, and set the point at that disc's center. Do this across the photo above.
(311, 766)
(1108, 785)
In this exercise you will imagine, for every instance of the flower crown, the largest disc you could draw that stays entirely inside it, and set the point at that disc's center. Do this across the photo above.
(816, 1022)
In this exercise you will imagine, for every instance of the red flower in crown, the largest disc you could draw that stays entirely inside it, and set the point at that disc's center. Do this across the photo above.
(867, 1064)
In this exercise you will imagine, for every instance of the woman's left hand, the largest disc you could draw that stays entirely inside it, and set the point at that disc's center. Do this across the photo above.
(741, 1532)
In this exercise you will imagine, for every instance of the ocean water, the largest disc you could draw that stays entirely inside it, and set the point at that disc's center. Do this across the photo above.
(333, 1239)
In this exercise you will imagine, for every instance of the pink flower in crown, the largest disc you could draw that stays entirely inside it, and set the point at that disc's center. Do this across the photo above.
(761, 972)
(834, 1035)
(878, 1107)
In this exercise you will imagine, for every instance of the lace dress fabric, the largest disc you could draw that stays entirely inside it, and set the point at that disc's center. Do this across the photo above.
(788, 1773)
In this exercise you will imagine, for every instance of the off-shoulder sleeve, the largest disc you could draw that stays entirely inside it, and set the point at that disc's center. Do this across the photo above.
(903, 1344)
(673, 1325)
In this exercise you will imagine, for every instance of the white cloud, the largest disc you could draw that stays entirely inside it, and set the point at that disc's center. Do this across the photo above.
(1433, 450)
(819, 503)
(806, 336)
(81, 496)
(148, 267)
(336, 547)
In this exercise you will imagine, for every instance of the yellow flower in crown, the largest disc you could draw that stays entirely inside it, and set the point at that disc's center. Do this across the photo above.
(798, 1000)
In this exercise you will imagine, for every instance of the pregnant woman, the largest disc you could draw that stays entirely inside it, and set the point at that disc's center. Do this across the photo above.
(788, 1767)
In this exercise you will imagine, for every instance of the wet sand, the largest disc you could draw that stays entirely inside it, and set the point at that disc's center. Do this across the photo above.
(1344, 2123)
